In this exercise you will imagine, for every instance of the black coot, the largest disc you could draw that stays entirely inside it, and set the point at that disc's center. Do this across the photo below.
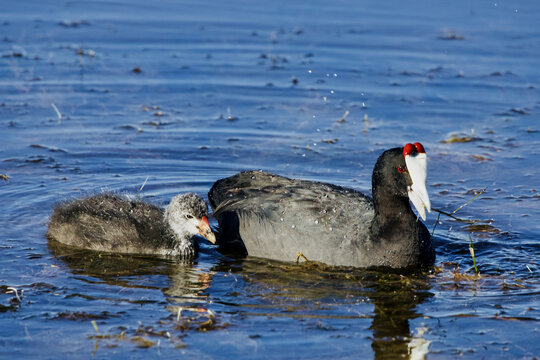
(112, 223)
(266, 215)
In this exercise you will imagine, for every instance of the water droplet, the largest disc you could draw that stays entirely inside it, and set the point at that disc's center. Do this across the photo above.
(309, 71)
(331, 91)
(294, 226)
(230, 195)
(331, 228)
(335, 75)
(281, 219)
(316, 221)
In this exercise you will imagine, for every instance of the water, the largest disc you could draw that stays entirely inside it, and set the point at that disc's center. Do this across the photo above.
(219, 88)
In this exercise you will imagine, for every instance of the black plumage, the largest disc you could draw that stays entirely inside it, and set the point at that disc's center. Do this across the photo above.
(266, 215)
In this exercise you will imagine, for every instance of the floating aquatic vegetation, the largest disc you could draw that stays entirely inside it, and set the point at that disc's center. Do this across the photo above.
(460, 138)
(148, 336)
(482, 228)
(82, 316)
(480, 158)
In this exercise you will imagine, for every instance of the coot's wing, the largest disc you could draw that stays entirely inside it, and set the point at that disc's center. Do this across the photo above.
(108, 222)
(276, 217)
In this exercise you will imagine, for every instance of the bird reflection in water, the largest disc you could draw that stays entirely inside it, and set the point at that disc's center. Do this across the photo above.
(380, 302)
(181, 282)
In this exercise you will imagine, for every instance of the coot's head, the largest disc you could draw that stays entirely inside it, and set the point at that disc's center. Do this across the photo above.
(187, 215)
(402, 173)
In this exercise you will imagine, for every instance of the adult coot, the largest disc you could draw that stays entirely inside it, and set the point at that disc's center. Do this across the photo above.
(112, 223)
(270, 216)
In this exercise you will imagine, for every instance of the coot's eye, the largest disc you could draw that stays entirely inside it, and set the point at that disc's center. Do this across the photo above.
(401, 169)
(189, 216)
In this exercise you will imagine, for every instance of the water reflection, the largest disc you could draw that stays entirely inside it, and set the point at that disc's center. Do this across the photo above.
(311, 291)
(395, 300)
(184, 285)
(381, 304)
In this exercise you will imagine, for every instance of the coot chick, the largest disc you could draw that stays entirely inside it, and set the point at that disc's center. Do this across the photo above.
(112, 223)
(270, 216)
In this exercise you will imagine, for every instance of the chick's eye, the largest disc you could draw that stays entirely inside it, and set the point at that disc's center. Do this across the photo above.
(400, 169)
(188, 216)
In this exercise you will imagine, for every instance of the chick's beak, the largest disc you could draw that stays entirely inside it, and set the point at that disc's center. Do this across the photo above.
(417, 165)
(205, 230)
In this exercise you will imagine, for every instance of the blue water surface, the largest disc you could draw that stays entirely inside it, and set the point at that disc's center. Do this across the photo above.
(108, 96)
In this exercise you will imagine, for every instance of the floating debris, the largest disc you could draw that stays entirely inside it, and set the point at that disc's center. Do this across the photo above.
(144, 183)
(136, 70)
(50, 148)
(450, 35)
(58, 113)
(73, 23)
(460, 138)
(89, 53)
(480, 158)
(520, 111)
(14, 54)
(471, 250)
(229, 117)
(4, 177)
(32, 159)
(156, 124)
(13, 290)
(83, 316)
(482, 228)
(342, 120)
(130, 127)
